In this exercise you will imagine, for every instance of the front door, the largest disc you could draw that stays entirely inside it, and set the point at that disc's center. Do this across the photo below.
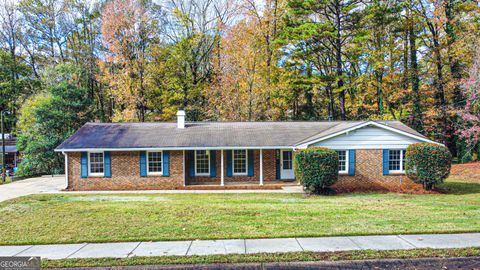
(286, 164)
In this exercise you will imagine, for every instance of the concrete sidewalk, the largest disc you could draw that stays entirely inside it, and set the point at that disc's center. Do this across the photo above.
(244, 246)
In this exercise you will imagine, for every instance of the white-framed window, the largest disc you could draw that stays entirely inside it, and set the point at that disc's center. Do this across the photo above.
(342, 161)
(154, 162)
(287, 160)
(396, 161)
(95, 164)
(240, 162)
(202, 162)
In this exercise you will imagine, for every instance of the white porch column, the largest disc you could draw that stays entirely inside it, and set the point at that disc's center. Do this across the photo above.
(66, 169)
(222, 179)
(183, 169)
(261, 167)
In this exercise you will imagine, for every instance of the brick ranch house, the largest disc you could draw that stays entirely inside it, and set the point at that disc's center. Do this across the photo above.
(129, 156)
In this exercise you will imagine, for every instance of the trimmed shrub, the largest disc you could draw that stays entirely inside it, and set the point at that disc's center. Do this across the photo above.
(317, 169)
(428, 164)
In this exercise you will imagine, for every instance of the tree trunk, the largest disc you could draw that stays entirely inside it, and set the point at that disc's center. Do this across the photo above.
(455, 67)
(405, 58)
(440, 101)
(378, 73)
(416, 115)
(251, 82)
(331, 103)
(309, 110)
(14, 81)
(379, 79)
(338, 60)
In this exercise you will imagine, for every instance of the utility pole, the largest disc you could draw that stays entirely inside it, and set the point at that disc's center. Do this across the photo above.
(4, 171)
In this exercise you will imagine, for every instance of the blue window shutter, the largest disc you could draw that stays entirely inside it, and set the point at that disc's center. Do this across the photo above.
(84, 164)
(351, 162)
(107, 164)
(277, 164)
(213, 165)
(166, 163)
(143, 163)
(250, 162)
(191, 163)
(386, 157)
(229, 162)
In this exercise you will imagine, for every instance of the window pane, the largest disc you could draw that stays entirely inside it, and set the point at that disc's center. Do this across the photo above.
(342, 160)
(203, 165)
(287, 160)
(96, 163)
(239, 161)
(154, 162)
(394, 160)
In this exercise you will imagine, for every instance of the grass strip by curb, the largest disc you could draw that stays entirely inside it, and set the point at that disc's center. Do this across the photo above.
(264, 257)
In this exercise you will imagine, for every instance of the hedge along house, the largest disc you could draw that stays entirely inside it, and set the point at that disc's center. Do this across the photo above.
(124, 156)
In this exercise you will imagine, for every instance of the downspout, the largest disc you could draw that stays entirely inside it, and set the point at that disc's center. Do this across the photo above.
(66, 169)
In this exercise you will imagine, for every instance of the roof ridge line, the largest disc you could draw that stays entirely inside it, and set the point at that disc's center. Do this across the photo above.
(234, 122)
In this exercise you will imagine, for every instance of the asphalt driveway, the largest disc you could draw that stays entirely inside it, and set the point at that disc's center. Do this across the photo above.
(44, 184)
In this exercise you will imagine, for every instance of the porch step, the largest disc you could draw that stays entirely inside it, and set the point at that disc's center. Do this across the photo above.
(240, 186)
(293, 188)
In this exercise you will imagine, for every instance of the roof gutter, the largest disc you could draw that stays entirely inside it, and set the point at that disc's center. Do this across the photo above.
(173, 148)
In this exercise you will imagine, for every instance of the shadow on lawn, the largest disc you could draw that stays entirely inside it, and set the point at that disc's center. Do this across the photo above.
(459, 188)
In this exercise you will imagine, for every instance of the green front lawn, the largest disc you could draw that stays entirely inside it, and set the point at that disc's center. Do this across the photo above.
(103, 218)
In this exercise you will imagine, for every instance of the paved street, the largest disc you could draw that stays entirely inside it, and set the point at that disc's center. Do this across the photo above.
(244, 246)
(44, 184)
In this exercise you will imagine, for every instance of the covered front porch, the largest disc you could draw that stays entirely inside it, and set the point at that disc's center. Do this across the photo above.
(239, 168)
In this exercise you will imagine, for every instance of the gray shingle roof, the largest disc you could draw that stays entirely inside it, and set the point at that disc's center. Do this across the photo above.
(207, 134)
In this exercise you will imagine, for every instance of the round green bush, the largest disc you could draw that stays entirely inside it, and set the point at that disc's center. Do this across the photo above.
(316, 168)
(428, 164)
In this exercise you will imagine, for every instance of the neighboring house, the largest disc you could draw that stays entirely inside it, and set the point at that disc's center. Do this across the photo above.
(122, 156)
(11, 155)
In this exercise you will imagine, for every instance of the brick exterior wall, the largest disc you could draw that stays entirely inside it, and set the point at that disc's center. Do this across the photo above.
(268, 169)
(369, 175)
(125, 168)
